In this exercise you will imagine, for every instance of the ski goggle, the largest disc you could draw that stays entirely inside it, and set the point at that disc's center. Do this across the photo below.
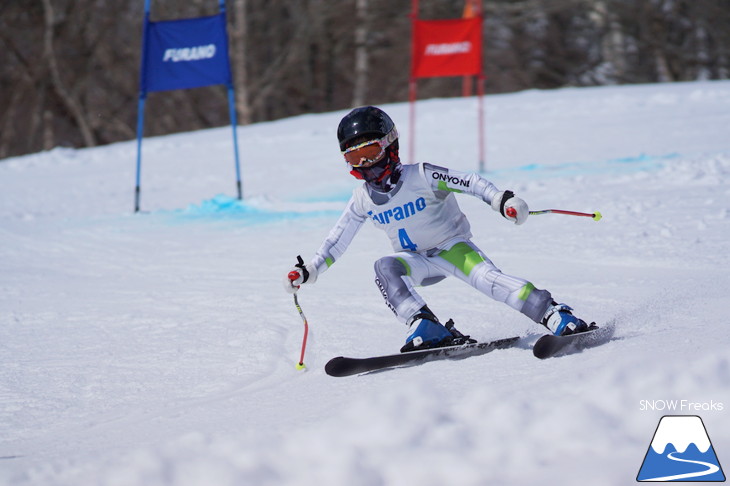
(367, 153)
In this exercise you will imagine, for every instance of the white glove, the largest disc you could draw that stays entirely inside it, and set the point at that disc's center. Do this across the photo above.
(510, 206)
(299, 275)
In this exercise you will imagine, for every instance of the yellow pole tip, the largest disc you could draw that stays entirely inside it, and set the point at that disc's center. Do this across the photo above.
(300, 366)
(597, 216)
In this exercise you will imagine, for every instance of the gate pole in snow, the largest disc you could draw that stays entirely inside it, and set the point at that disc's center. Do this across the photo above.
(141, 103)
(232, 110)
(183, 54)
(451, 47)
(412, 87)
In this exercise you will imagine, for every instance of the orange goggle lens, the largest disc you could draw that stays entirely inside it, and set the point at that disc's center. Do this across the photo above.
(364, 154)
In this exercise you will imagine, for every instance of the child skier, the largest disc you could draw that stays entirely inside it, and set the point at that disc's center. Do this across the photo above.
(416, 207)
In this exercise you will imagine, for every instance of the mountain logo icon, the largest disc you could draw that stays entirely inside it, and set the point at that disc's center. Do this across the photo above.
(681, 451)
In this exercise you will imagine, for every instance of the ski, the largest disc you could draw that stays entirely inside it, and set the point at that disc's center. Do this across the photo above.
(550, 345)
(343, 366)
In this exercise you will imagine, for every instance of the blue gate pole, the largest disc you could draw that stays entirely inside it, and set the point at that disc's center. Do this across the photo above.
(232, 105)
(140, 125)
(234, 124)
(140, 104)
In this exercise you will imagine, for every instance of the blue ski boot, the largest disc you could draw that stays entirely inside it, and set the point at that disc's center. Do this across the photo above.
(425, 331)
(561, 322)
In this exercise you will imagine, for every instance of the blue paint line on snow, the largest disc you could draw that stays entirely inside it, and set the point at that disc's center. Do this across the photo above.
(618, 166)
(623, 165)
(224, 207)
(340, 197)
(337, 194)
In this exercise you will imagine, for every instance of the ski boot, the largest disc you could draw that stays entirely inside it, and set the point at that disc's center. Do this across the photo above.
(561, 322)
(425, 331)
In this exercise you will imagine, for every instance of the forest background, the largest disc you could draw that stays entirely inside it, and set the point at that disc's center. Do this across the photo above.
(69, 69)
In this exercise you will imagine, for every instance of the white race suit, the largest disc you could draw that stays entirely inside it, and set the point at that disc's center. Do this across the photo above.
(431, 238)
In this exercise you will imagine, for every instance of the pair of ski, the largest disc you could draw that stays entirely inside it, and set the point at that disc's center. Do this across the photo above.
(545, 347)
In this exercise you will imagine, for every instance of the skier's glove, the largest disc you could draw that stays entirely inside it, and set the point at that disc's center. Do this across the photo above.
(510, 206)
(298, 275)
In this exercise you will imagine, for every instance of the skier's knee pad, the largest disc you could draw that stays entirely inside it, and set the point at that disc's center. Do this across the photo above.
(389, 273)
(390, 268)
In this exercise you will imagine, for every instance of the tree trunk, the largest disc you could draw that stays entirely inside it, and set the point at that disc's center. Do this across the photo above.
(359, 94)
(240, 55)
(612, 41)
(69, 102)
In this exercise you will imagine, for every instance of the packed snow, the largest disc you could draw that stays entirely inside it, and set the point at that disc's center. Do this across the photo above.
(159, 348)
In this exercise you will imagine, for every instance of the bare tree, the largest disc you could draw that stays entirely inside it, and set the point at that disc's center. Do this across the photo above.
(361, 54)
(70, 71)
(239, 55)
(69, 101)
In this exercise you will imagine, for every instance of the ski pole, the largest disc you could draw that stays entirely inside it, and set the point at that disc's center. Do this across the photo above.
(512, 213)
(293, 275)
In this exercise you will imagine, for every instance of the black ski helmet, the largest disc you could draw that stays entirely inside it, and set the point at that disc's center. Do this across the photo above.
(369, 121)
(366, 120)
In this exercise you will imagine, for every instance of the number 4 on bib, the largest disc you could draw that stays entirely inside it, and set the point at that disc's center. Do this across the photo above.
(405, 241)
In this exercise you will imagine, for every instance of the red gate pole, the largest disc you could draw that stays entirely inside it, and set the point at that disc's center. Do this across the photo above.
(412, 138)
(477, 6)
(471, 9)
(412, 86)
(480, 95)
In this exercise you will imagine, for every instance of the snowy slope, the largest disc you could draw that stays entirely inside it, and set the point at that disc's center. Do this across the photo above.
(159, 348)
